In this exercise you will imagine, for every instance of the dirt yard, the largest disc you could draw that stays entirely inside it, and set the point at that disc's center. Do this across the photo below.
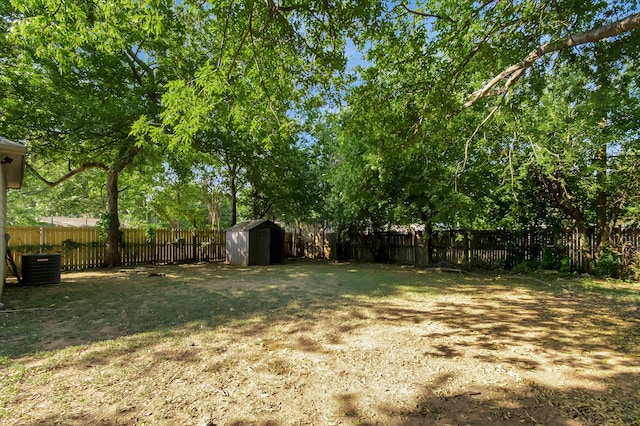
(311, 343)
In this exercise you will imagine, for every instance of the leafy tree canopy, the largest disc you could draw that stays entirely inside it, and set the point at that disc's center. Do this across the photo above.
(463, 114)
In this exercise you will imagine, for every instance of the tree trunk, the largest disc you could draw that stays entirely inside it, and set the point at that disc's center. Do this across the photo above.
(583, 231)
(234, 195)
(428, 233)
(214, 209)
(602, 234)
(112, 253)
(255, 204)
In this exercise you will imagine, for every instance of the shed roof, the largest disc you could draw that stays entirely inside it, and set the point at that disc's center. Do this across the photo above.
(12, 158)
(248, 225)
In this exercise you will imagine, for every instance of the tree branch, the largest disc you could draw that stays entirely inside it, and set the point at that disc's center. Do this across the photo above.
(224, 34)
(125, 158)
(240, 46)
(132, 57)
(428, 15)
(279, 9)
(493, 31)
(69, 175)
(561, 198)
(514, 72)
(134, 61)
(460, 167)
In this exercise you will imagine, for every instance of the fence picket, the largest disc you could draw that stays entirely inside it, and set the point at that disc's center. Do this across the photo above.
(81, 248)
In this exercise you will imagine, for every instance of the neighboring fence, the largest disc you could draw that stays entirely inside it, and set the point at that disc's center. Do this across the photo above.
(81, 248)
(312, 241)
(502, 249)
(481, 249)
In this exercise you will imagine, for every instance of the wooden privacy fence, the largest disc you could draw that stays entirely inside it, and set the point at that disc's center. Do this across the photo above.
(311, 241)
(481, 249)
(81, 248)
(501, 249)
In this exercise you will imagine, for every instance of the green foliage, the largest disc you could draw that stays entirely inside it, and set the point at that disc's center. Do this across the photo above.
(69, 245)
(77, 77)
(150, 234)
(82, 196)
(36, 248)
(526, 267)
(550, 259)
(406, 151)
(247, 101)
(104, 224)
(565, 265)
(194, 106)
(607, 265)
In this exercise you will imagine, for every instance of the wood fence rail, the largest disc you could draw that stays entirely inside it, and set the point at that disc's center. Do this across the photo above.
(480, 249)
(82, 248)
(497, 249)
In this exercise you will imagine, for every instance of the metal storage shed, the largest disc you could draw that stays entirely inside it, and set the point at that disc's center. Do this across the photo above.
(255, 242)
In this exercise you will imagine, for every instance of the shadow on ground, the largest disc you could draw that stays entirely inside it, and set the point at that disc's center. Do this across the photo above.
(104, 305)
(522, 325)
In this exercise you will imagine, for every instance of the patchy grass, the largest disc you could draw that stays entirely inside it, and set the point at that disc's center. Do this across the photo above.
(319, 343)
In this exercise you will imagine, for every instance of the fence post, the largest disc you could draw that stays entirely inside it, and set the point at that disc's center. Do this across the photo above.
(41, 238)
(467, 248)
(428, 230)
(194, 246)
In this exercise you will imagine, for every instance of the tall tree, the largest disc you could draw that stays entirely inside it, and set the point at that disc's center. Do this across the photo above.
(429, 130)
(265, 62)
(284, 182)
(399, 153)
(578, 139)
(79, 74)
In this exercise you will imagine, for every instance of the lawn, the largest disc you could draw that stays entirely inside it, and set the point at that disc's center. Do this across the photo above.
(319, 343)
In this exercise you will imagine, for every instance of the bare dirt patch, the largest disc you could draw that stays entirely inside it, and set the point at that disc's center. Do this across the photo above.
(322, 344)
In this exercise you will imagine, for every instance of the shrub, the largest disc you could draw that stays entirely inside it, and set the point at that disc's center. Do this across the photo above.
(607, 265)
(525, 267)
(565, 265)
(633, 267)
(549, 259)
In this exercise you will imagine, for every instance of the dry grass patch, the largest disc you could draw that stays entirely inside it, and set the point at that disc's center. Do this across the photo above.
(318, 343)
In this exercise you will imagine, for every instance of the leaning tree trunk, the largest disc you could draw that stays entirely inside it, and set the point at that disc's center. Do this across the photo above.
(112, 252)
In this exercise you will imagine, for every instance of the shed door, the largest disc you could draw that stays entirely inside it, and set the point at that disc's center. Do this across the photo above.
(263, 247)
